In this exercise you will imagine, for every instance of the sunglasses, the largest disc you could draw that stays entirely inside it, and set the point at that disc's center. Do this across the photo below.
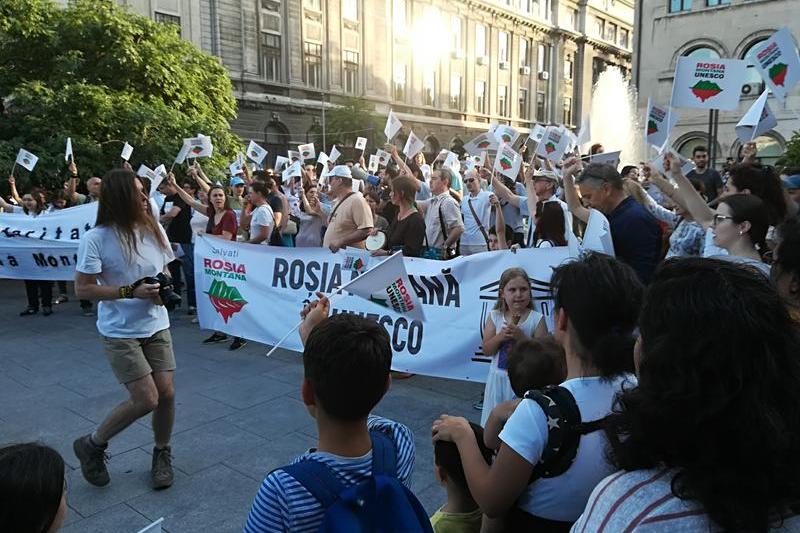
(720, 218)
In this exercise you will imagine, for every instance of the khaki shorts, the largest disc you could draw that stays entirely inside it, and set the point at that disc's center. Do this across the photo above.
(133, 359)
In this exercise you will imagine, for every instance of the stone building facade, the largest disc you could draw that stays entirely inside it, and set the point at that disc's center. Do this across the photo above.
(668, 29)
(446, 67)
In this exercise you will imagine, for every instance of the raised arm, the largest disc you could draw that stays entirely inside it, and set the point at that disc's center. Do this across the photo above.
(571, 167)
(193, 173)
(404, 168)
(687, 195)
(185, 196)
(499, 223)
(12, 182)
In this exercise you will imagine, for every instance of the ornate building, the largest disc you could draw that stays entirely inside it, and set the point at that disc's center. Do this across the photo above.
(447, 67)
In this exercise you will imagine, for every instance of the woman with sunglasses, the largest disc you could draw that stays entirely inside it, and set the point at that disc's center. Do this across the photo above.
(736, 231)
(407, 231)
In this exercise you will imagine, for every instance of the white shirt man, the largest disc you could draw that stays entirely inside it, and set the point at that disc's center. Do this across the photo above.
(476, 212)
(441, 208)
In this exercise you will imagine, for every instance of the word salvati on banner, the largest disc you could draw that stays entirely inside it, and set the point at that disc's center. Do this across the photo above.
(257, 292)
(43, 247)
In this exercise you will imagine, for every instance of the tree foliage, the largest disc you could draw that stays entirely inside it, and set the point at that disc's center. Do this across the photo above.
(354, 118)
(99, 74)
(791, 157)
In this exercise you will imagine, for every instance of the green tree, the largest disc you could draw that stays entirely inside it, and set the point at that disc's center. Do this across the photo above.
(101, 75)
(354, 118)
(791, 157)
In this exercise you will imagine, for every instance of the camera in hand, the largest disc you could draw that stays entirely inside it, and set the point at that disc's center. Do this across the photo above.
(168, 296)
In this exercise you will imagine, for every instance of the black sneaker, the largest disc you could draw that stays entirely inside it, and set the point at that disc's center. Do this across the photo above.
(161, 471)
(62, 299)
(29, 311)
(237, 343)
(93, 461)
(47, 311)
(215, 338)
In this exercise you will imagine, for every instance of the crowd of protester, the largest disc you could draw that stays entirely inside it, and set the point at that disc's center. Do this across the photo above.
(663, 398)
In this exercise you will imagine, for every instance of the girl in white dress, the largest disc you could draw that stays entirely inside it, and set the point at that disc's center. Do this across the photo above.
(512, 319)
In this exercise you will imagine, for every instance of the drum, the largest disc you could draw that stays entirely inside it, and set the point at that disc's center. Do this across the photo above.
(376, 242)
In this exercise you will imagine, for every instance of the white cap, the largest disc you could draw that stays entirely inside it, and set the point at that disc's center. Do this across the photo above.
(340, 171)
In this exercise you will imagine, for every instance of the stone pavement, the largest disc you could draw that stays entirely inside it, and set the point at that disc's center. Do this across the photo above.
(239, 415)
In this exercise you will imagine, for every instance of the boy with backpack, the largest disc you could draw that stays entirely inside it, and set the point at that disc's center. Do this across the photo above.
(355, 479)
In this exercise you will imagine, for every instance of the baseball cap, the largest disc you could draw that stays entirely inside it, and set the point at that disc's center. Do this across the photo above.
(340, 171)
(791, 182)
(237, 181)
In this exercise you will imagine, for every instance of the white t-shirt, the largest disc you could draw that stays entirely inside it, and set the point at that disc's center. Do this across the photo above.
(480, 203)
(100, 253)
(262, 216)
(564, 497)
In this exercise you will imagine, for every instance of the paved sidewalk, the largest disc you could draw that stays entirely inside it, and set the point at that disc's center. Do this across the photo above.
(239, 415)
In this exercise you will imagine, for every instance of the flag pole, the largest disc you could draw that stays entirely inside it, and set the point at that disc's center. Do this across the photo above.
(13, 168)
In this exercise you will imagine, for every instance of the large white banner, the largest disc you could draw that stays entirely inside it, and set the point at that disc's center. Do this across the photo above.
(43, 247)
(257, 292)
(708, 83)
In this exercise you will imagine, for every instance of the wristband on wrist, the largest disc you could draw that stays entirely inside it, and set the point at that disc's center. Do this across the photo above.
(126, 291)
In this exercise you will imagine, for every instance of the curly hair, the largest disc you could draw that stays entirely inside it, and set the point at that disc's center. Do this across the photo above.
(719, 386)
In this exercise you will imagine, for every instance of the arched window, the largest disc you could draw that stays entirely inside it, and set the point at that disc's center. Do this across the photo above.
(276, 141)
(753, 83)
(314, 135)
(690, 141)
(432, 146)
(770, 149)
(702, 52)
(457, 146)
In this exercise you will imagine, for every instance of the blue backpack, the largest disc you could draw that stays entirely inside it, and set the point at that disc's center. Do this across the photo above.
(378, 504)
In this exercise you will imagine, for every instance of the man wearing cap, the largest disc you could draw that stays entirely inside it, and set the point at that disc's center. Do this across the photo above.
(476, 212)
(443, 224)
(350, 220)
(541, 189)
(791, 182)
(236, 198)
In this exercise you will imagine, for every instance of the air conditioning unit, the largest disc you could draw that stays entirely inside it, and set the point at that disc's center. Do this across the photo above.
(482, 60)
(751, 88)
(457, 54)
(504, 65)
(544, 75)
(525, 71)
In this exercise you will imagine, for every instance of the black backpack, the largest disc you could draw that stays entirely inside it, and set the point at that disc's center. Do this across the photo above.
(564, 430)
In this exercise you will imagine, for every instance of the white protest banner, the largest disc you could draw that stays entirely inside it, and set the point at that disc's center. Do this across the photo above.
(280, 161)
(334, 155)
(427, 172)
(553, 144)
(606, 158)
(657, 164)
(322, 159)
(537, 133)
(413, 145)
(451, 161)
(505, 134)
(295, 169)
(160, 173)
(383, 157)
(238, 285)
(256, 153)
(184, 151)
(481, 143)
(708, 83)
(68, 152)
(199, 146)
(293, 156)
(127, 150)
(507, 161)
(235, 168)
(374, 163)
(479, 159)
(361, 143)
(758, 120)
(393, 125)
(585, 133)
(146, 172)
(307, 151)
(597, 236)
(572, 139)
(659, 123)
(778, 62)
(26, 159)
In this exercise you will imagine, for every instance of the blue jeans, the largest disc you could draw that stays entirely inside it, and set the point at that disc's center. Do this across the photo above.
(186, 264)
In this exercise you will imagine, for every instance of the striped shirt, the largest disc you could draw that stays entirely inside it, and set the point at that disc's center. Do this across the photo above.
(282, 504)
(642, 501)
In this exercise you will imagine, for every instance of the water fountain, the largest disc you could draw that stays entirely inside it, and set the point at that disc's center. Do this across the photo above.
(614, 116)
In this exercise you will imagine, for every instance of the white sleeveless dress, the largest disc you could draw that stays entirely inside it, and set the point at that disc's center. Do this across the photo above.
(498, 387)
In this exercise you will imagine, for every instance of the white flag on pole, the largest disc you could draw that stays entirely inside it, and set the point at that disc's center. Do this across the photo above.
(585, 133)
(184, 151)
(294, 156)
(481, 143)
(159, 174)
(759, 119)
(307, 151)
(657, 164)
(361, 143)
(452, 162)
(479, 159)
(235, 168)
(413, 145)
(597, 236)
(256, 153)
(606, 158)
(393, 125)
(127, 150)
(507, 161)
(537, 133)
(322, 159)
(295, 169)
(280, 161)
(26, 159)
(374, 162)
(505, 134)
(708, 83)
(778, 62)
(553, 144)
(334, 156)
(387, 284)
(199, 146)
(659, 123)
(68, 152)
(146, 172)
(383, 157)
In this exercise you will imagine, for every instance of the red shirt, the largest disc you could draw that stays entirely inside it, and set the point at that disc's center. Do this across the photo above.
(227, 223)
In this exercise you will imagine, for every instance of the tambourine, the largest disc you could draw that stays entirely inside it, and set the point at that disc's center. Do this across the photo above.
(376, 242)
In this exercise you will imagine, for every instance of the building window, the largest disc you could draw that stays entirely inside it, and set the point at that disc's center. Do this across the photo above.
(525, 6)
(165, 18)
(502, 47)
(676, 6)
(455, 30)
(502, 100)
(455, 91)
(599, 27)
(543, 8)
(428, 88)
(714, 3)
(573, 19)
(399, 82)
(399, 17)
(271, 56)
(524, 60)
(523, 103)
(313, 4)
(543, 59)
(569, 67)
(541, 106)
(567, 117)
(624, 38)
(702, 52)
(598, 66)
(350, 72)
(753, 82)
(480, 40)
(480, 97)
(611, 33)
(350, 9)
(312, 64)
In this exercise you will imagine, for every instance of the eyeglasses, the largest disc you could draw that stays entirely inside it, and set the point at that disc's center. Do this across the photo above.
(719, 218)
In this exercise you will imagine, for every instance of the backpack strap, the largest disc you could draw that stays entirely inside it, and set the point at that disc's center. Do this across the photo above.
(384, 454)
(317, 479)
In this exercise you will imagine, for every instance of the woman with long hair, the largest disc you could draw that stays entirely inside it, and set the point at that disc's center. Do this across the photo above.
(550, 226)
(407, 231)
(708, 440)
(762, 182)
(785, 272)
(313, 217)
